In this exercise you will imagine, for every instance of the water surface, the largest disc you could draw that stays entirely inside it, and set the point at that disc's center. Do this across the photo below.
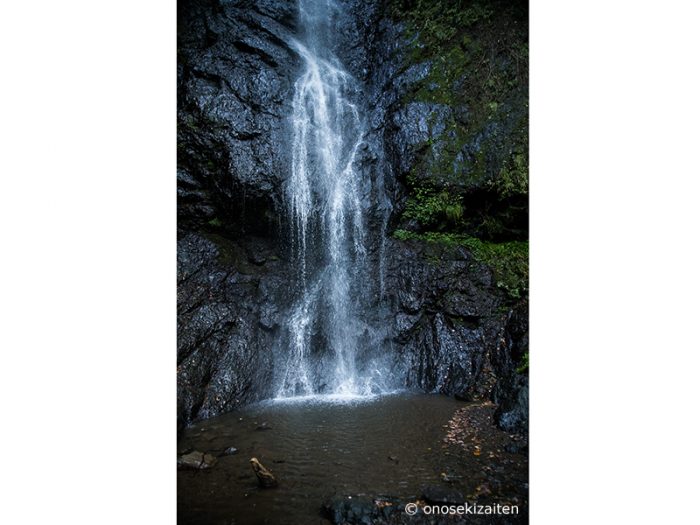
(316, 448)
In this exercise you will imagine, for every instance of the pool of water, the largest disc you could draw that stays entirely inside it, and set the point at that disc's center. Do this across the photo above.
(316, 448)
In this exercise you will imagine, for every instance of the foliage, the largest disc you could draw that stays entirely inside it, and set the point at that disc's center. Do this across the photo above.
(405, 235)
(507, 260)
(524, 363)
(513, 177)
(475, 57)
(429, 205)
(438, 21)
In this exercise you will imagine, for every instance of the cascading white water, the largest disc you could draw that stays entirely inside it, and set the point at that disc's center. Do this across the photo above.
(324, 194)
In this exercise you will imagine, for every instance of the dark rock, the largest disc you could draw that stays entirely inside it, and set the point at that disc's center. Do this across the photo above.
(360, 510)
(257, 258)
(223, 358)
(511, 393)
(235, 71)
(438, 494)
(517, 447)
(196, 460)
(417, 123)
(512, 414)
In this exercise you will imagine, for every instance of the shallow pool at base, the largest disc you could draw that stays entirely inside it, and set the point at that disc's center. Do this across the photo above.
(316, 448)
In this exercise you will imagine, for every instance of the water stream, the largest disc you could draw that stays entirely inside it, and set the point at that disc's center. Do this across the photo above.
(327, 326)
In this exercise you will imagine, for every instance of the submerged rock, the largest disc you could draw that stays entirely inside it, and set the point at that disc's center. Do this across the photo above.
(439, 494)
(196, 460)
(517, 447)
(265, 478)
(360, 510)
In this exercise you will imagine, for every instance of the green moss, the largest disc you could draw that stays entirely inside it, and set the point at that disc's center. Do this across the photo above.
(513, 177)
(430, 205)
(524, 363)
(462, 39)
(478, 53)
(215, 222)
(508, 261)
(404, 235)
(190, 122)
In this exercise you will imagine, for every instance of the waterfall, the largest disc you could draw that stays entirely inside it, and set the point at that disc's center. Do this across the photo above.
(326, 325)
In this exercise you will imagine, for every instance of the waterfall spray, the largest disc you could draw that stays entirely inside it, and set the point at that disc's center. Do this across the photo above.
(328, 226)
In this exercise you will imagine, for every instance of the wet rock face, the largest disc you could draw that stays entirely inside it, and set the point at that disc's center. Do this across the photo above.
(455, 333)
(227, 323)
(513, 411)
(235, 74)
(234, 83)
(512, 391)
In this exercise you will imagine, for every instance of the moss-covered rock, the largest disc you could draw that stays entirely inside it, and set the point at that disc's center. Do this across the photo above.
(508, 261)
(468, 173)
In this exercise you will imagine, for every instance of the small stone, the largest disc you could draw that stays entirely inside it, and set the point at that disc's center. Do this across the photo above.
(196, 460)
(230, 451)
